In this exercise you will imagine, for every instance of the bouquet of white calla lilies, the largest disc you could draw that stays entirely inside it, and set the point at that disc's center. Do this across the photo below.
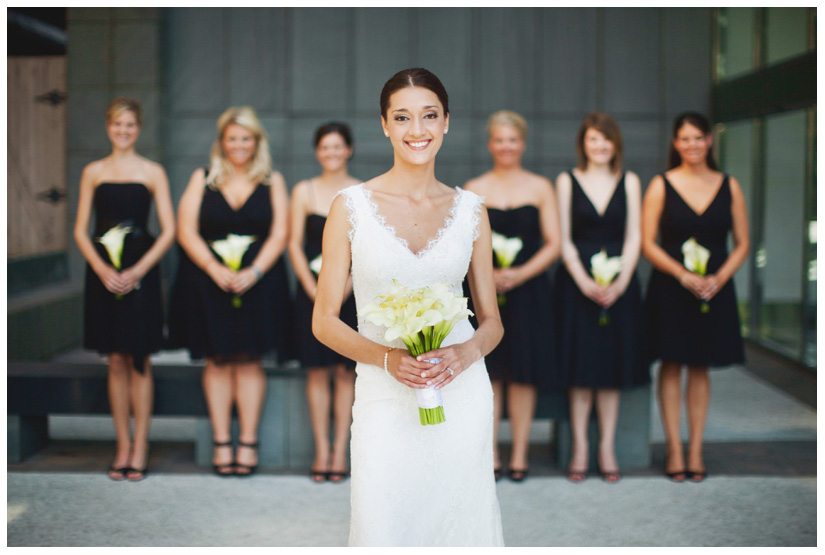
(315, 265)
(422, 318)
(113, 240)
(696, 260)
(231, 251)
(604, 270)
(505, 250)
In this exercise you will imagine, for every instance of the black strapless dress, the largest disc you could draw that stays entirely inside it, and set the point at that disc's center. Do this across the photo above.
(593, 355)
(312, 352)
(678, 330)
(133, 323)
(203, 318)
(527, 352)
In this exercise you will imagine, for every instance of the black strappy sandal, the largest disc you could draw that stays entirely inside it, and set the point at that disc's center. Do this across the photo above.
(248, 470)
(223, 470)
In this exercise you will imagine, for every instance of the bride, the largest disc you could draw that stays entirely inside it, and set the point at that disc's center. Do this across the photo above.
(414, 485)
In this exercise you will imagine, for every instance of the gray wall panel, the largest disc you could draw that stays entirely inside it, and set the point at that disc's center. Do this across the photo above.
(87, 121)
(505, 65)
(568, 62)
(257, 58)
(632, 63)
(194, 51)
(642, 139)
(88, 59)
(445, 48)
(383, 46)
(320, 59)
(136, 53)
(687, 72)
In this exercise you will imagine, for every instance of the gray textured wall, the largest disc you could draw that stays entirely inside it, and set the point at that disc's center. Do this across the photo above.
(300, 67)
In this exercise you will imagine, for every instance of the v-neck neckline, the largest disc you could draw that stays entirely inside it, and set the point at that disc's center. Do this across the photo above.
(712, 200)
(590, 201)
(243, 204)
(432, 242)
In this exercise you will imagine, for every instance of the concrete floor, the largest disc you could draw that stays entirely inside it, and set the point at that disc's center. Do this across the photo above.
(760, 452)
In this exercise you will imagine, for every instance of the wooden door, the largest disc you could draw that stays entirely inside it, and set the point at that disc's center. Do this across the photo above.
(37, 207)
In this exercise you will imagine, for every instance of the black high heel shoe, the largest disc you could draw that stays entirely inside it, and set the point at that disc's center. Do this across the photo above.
(248, 470)
(223, 470)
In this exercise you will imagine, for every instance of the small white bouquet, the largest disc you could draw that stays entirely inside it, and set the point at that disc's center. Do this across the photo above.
(696, 260)
(113, 240)
(315, 265)
(231, 251)
(604, 270)
(505, 249)
(421, 318)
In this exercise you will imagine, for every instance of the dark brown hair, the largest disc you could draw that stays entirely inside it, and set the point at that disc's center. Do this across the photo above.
(333, 127)
(606, 125)
(698, 121)
(413, 77)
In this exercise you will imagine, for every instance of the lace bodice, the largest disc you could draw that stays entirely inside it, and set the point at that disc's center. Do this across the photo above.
(379, 255)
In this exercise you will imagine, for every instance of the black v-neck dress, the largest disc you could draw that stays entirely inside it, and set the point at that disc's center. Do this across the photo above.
(203, 318)
(132, 323)
(678, 330)
(590, 354)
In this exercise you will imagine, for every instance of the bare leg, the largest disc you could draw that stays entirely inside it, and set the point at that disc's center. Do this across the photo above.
(142, 393)
(698, 399)
(118, 386)
(498, 410)
(670, 405)
(581, 403)
(319, 401)
(218, 386)
(250, 392)
(607, 409)
(521, 406)
(344, 397)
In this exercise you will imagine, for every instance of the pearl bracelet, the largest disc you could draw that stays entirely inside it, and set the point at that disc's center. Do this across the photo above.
(257, 272)
(387, 354)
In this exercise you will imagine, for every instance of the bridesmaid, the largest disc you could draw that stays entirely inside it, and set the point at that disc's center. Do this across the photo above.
(599, 326)
(692, 200)
(123, 314)
(311, 200)
(519, 204)
(234, 316)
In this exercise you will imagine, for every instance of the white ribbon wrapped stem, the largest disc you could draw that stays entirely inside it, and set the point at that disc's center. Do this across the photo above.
(429, 398)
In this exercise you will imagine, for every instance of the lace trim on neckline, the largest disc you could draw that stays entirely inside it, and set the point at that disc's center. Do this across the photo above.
(448, 222)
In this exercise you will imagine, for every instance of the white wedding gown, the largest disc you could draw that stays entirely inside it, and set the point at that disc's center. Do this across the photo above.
(415, 485)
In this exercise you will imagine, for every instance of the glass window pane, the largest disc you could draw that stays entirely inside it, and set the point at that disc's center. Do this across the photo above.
(787, 33)
(736, 159)
(782, 257)
(809, 351)
(736, 41)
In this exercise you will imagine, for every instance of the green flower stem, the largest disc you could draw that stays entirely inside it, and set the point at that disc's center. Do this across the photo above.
(430, 417)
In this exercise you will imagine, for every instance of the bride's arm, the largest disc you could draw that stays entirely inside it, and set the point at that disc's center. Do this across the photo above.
(326, 322)
(490, 331)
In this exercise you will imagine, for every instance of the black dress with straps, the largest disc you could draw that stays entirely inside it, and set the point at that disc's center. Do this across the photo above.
(678, 330)
(203, 318)
(312, 352)
(590, 354)
(132, 323)
(527, 352)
